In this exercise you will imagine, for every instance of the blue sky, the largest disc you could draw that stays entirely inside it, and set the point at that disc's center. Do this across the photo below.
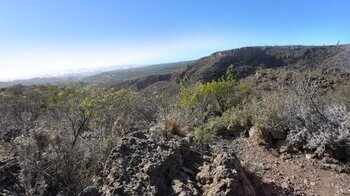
(44, 36)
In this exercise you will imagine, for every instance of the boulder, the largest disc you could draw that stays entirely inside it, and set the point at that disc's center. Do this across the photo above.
(225, 176)
(340, 152)
(287, 149)
(139, 165)
(278, 135)
(235, 130)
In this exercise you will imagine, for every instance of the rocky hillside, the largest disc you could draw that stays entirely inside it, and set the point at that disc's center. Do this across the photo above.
(143, 165)
(248, 60)
(283, 128)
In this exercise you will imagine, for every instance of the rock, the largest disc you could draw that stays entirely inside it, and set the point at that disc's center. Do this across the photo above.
(340, 152)
(308, 156)
(321, 151)
(190, 139)
(283, 149)
(188, 171)
(286, 156)
(278, 135)
(253, 133)
(179, 187)
(329, 160)
(286, 149)
(274, 152)
(285, 185)
(204, 176)
(235, 130)
(225, 176)
(326, 166)
(139, 166)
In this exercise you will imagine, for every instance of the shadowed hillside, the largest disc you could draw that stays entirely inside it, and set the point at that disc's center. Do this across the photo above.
(134, 73)
(248, 60)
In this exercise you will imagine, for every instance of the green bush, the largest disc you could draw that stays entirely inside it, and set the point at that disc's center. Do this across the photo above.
(216, 95)
(214, 125)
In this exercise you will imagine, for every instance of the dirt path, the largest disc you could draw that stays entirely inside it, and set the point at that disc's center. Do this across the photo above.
(295, 173)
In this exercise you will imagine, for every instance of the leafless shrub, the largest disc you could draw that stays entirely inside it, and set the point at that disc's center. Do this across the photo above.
(172, 120)
(313, 121)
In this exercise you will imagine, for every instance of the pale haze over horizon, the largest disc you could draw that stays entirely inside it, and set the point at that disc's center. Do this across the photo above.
(41, 37)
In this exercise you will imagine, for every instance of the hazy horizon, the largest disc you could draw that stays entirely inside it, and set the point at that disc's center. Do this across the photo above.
(44, 37)
(67, 72)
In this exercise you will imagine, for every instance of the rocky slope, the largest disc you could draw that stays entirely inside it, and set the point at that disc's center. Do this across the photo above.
(295, 172)
(248, 60)
(143, 165)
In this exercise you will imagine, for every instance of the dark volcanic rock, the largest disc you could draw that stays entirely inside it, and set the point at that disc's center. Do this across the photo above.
(139, 165)
(224, 175)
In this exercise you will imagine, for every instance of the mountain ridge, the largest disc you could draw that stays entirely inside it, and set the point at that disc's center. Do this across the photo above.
(100, 75)
(246, 60)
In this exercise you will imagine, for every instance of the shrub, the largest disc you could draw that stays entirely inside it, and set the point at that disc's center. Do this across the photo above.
(175, 126)
(174, 120)
(202, 135)
(264, 114)
(240, 116)
(215, 125)
(215, 96)
(312, 121)
(70, 131)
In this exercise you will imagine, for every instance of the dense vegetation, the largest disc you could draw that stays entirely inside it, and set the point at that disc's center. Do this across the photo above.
(65, 133)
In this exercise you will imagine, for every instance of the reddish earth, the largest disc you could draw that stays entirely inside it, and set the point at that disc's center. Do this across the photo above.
(290, 174)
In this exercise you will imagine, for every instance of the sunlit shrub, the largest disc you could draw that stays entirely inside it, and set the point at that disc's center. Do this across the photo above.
(215, 96)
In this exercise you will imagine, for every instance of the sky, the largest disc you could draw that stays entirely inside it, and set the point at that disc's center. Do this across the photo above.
(39, 37)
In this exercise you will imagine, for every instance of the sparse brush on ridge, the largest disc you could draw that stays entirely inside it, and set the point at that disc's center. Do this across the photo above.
(64, 134)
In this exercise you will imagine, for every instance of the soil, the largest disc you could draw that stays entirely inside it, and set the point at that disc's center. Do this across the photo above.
(290, 174)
